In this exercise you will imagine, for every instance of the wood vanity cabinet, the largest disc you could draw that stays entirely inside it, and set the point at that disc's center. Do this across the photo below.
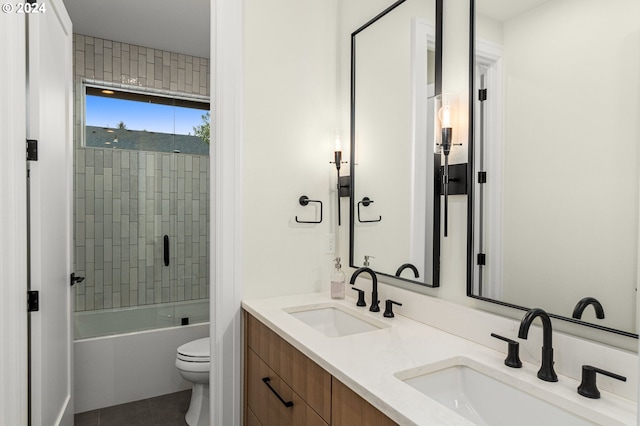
(349, 409)
(317, 398)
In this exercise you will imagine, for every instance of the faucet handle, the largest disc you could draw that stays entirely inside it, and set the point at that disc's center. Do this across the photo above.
(513, 358)
(361, 301)
(388, 309)
(588, 386)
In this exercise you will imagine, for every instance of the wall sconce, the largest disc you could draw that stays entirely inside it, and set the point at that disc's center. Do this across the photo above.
(343, 184)
(446, 128)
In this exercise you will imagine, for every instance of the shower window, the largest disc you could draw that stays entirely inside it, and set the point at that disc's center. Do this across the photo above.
(144, 122)
(141, 184)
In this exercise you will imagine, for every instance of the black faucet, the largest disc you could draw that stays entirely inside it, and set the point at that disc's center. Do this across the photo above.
(374, 295)
(546, 371)
(582, 305)
(409, 266)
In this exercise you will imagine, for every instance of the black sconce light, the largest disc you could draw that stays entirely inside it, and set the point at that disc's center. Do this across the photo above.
(343, 182)
(446, 137)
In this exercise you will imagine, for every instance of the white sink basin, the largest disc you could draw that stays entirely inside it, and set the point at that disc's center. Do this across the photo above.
(485, 400)
(334, 320)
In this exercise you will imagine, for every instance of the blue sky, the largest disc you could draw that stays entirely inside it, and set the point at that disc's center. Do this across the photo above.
(108, 112)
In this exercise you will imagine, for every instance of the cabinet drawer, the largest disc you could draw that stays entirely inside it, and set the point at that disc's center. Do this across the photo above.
(305, 377)
(266, 406)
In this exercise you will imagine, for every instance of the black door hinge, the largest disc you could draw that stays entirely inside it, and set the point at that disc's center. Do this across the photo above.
(33, 301)
(482, 258)
(482, 95)
(32, 150)
(482, 177)
(75, 279)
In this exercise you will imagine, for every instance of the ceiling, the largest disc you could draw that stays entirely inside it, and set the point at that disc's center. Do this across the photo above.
(177, 26)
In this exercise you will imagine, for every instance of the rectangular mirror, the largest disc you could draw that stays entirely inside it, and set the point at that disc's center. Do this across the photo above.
(556, 110)
(395, 72)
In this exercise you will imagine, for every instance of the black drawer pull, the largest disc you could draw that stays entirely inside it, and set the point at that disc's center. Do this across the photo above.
(287, 404)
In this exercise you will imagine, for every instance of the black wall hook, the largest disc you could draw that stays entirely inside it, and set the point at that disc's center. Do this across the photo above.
(304, 201)
(366, 201)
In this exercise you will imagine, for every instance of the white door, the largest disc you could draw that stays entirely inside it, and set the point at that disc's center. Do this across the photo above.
(49, 120)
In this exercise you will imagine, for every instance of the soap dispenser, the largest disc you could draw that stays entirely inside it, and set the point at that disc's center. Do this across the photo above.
(338, 280)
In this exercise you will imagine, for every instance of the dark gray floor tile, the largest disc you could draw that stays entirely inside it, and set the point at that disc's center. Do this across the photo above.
(137, 413)
(169, 410)
(164, 410)
(88, 418)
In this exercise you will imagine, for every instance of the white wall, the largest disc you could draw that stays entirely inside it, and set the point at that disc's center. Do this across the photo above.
(290, 104)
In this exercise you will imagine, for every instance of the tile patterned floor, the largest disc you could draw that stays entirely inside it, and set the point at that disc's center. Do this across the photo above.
(165, 410)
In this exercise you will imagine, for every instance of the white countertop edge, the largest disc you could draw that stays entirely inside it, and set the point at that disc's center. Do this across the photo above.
(368, 367)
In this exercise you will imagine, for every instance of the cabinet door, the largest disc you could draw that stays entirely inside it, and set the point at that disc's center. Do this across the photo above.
(305, 377)
(349, 409)
(265, 403)
(251, 419)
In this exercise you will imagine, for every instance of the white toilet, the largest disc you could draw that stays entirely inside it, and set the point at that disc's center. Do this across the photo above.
(193, 362)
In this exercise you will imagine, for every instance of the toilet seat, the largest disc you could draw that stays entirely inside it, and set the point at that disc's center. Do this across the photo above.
(197, 351)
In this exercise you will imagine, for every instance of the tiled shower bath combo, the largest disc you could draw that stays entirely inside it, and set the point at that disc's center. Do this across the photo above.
(132, 309)
(127, 200)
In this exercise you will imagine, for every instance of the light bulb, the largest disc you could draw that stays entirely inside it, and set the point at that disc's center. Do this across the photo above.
(338, 143)
(444, 114)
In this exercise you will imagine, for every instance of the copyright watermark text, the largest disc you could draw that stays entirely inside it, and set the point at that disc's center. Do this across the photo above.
(22, 8)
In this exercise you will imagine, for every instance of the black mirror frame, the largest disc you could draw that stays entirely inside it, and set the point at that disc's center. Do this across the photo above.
(437, 179)
(471, 264)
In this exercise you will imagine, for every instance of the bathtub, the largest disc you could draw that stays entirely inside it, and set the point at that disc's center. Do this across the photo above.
(126, 320)
(132, 359)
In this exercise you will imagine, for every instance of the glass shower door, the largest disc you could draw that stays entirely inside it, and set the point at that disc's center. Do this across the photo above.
(141, 216)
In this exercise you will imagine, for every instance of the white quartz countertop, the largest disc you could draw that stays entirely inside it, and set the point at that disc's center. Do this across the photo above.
(368, 364)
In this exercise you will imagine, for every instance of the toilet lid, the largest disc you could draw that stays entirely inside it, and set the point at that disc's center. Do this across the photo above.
(195, 351)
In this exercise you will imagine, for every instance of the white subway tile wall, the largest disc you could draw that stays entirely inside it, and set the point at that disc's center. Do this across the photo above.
(126, 201)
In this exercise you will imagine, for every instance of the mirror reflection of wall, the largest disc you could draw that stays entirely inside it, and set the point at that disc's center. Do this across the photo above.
(393, 171)
(561, 150)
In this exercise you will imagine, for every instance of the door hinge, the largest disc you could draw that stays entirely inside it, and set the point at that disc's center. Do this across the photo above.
(33, 301)
(482, 177)
(75, 279)
(482, 258)
(32, 150)
(482, 95)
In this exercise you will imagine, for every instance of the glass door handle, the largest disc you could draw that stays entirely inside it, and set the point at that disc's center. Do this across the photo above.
(166, 250)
